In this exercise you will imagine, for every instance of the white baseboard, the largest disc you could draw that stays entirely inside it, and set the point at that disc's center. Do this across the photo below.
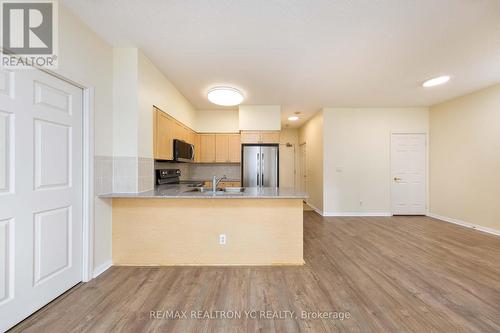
(102, 268)
(465, 224)
(316, 209)
(358, 214)
(353, 214)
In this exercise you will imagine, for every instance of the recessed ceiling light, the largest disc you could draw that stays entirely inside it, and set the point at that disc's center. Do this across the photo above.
(436, 81)
(225, 96)
(293, 118)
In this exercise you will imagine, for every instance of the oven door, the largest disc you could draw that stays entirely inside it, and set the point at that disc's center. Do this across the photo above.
(183, 151)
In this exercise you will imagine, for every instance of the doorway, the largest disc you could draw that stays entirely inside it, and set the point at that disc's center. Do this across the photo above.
(41, 191)
(409, 173)
(303, 167)
(287, 166)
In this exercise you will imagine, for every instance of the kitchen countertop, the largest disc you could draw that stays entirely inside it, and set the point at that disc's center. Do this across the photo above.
(181, 191)
(196, 181)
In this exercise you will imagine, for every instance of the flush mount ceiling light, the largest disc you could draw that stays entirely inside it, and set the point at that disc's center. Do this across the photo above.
(225, 96)
(293, 118)
(436, 81)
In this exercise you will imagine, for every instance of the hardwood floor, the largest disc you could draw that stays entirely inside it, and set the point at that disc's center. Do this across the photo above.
(397, 274)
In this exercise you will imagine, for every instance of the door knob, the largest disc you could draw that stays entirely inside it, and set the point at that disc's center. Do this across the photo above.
(397, 179)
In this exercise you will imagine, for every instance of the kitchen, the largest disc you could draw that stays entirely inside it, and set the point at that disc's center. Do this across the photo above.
(321, 166)
(206, 218)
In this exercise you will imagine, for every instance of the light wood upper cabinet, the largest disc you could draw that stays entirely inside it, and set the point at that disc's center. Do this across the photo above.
(221, 148)
(234, 143)
(163, 129)
(250, 137)
(260, 137)
(270, 137)
(191, 137)
(178, 131)
(227, 148)
(197, 148)
(181, 132)
(207, 148)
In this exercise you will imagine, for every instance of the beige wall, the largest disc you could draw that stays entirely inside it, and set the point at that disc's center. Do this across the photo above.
(125, 102)
(357, 155)
(86, 59)
(311, 133)
(155, 89)
(465, 158)
(260, 117)
(220, 121)
(289, 136)
(138, 85)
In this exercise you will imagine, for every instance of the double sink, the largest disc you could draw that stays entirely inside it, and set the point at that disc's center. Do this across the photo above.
(225, 190)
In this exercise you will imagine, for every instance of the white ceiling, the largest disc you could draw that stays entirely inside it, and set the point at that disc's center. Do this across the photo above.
(308, 54)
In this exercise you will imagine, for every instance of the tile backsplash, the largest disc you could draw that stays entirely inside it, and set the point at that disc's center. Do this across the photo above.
(203, 171)
(124, 174)
(145, 174)
(103, 174)
(207, 171)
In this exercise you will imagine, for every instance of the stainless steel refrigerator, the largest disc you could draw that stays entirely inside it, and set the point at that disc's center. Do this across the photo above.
(259, 166)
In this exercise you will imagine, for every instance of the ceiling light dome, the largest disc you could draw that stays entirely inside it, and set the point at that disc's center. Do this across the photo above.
(436, 81)
(225, 96)
(293, 118)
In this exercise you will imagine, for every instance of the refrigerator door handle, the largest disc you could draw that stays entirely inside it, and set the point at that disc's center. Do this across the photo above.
(258, 168)
(262, 169)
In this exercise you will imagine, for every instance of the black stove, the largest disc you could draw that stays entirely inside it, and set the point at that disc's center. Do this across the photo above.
(168, 176)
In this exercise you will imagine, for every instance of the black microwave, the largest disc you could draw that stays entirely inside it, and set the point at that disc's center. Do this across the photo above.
(183, 151)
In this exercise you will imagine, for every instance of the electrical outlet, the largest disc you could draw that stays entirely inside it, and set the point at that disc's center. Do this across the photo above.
(222, 239)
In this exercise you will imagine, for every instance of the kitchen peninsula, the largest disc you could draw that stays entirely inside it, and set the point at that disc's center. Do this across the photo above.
(174, 225)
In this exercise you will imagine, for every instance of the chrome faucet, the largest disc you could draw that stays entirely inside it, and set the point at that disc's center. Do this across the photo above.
(215, 182)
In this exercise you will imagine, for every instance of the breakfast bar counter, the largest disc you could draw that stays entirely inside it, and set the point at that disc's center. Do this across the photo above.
(183, 191)
(179, 225)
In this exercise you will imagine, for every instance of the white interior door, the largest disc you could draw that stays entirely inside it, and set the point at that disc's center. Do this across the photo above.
(287, 166)
(408, 174)
(303, 168)
(40, 191)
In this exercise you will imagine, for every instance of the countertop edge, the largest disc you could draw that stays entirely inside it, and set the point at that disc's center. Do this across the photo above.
(186, 192)
(218, 197)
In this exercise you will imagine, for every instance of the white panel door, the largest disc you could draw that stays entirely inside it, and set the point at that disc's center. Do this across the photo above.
(40, 191)
(287, 166)
(408, 174)
(303, 168)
